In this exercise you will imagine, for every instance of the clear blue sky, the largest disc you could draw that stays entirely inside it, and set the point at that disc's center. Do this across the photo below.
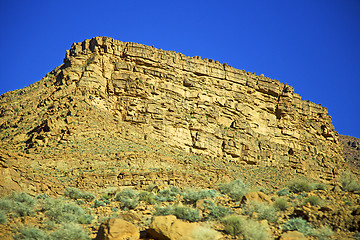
(313, 45)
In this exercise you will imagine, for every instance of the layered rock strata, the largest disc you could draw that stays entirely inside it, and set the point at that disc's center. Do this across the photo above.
(203, 106)
(110, 94)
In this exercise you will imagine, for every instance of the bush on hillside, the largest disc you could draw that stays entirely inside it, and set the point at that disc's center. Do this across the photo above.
(349, 182)
(128, 198)
(235, 189)
(249, 229)
(262, 210)
(298, 224)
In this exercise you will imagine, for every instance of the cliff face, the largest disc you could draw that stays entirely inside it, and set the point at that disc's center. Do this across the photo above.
(190, 104)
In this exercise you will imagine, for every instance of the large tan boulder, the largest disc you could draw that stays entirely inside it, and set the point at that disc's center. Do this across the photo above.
(170, 228)
(256, 196)
(292, 235)
(117, 229)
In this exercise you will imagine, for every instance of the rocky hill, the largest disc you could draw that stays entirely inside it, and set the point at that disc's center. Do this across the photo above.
(119, 114)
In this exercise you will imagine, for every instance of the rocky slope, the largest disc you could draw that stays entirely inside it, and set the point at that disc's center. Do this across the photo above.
(109, 95)
(121, 115)
(351, 150)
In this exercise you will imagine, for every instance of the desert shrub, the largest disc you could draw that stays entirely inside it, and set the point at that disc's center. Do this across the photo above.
(182, 212)
(216, 211)
(300, 186)
(191, 196)
(323, 233)
(114, 209)
(168, 195)
(163, 211)
(235, 189)
(249, 229)
(31, 233)
(128, 198)
(3, 217)
(298, 224)
(280, 204)
(147, 197)
(356, 236)
(187, 213)
(283, 192)
(85, 219)
(5, 205)
(313, 200)
(204, 233)
(319, 186)
(98, 204)
(23, 198)
(70, 232)
(42, 196)
(262, 210)
(62, 212)
(22, 210)
(349, 182)
(75, 194)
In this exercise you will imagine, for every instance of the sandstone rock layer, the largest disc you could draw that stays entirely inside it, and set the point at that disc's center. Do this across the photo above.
(109, 92)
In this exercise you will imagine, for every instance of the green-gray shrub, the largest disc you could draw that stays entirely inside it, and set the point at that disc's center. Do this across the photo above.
(262, 210)
(217, 211)
(298, 224)
(187, 213)
(182, 212)
(128, 198)
(31, 233)
(62, 212)
(313, 200)
(323, 233)
(300, 186)
(191, 196)
(98, 204)
(70, 232)
(3, 217)
(23, 198)
(280, 204)
(283, 192)
(6, 205)
(204, 233)
(76, 194)
(349, 182)
(235, 189)
(168, 194)
(147, 197)
(248, 228)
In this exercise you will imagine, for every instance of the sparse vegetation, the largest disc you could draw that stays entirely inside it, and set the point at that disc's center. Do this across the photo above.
(76, 194)
(168, 194)
(300, 186)
(182, 212)
(3, 217)
(128, 198)
(262, 210)
(298, 224)
(323, 233)
(69, 231)
(31, 233)
(204, 233)
(281, 204)
(313, 200)
(235, 189)
(349, 182)
(249, 229)
(191, 196)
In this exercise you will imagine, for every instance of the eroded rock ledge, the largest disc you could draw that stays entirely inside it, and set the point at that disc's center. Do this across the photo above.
(203, 106)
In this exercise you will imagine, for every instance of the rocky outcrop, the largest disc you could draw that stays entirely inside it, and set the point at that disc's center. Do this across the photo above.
(117, 229)
(203, 106)
(119, 113)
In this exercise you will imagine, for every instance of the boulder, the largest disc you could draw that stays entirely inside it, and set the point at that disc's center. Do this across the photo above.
(170, 228)
(256, 196)
(117, 229)
(292, 235)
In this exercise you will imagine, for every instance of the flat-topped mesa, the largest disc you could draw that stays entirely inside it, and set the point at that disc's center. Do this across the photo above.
(203, 106)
